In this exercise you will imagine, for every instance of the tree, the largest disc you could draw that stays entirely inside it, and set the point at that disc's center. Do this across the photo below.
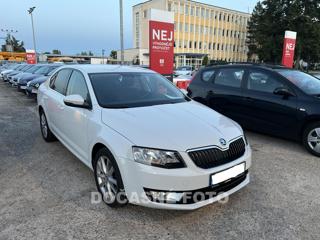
(17, 46)
(113, 54)
(271, 18)
(205, 60)
(84, 53)
(56, 51)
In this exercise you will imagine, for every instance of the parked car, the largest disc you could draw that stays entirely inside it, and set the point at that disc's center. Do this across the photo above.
(317, 75)
(268, 99)
(29, 72)
(44, 70)
(146, 141)
(182, 81)
(9, 77)
(7, 69)
(185, 70)
(33, 85)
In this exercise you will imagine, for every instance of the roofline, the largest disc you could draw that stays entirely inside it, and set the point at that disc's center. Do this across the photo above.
(206, 4)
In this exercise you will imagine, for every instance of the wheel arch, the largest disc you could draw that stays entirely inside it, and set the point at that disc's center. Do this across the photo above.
(96, 147)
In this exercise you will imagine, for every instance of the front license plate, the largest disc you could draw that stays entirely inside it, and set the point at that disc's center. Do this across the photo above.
(23, 87)
(34, 91)
(227, 174)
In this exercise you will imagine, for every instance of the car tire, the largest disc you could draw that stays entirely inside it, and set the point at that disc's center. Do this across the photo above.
(46, 133)
(311, 138)
(108, 179)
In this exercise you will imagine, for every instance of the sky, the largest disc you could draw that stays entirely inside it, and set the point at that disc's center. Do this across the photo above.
(73, 26)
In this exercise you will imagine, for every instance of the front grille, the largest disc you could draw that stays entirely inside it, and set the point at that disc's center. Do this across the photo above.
(213, 157)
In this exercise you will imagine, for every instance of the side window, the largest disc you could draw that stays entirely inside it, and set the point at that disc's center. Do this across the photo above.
(61, 80)
(77, 85)
(230, 77)
(52, 79)
(263, 82)
(207, 75)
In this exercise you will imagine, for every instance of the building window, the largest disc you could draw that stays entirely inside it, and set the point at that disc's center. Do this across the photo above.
(202, 12)
(195, 45)
(145, 13)
(192, 11)
(209, 46)
(191, 28)
(207, 13)
(197, 11)
(137, 19)
(222, 47)
(212, 14)
(180, 27)
(218, 46)
(190, 44)
(169, 6)
(227, 33)
(187, 9)
(186, 27)
(213, 46)
(200, 45)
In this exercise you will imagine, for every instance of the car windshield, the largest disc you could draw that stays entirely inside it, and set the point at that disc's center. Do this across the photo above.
(126, 90)
(33, 69)
(307, 83)
(45, 70)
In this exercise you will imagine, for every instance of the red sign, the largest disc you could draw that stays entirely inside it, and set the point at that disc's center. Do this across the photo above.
(31, 57)
(161, 45)
(289, 46)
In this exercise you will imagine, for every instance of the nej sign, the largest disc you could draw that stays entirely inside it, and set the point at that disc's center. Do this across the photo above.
(161, 41)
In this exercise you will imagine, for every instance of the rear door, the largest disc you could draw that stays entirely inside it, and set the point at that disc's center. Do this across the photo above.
(264, 111)
(55, 104)
(225, 93)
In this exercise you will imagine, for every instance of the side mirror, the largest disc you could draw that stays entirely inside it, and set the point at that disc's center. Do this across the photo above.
(281, 91)
(76, 101)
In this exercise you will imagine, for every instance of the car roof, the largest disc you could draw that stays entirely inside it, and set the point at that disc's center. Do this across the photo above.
(264, 66)
(104, 68)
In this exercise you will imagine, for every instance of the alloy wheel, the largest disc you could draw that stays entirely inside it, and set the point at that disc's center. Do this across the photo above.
(314, 140)
(44, 126)
(107, 181)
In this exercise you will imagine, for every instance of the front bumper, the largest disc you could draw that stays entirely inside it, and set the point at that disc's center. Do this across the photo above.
(139, 179)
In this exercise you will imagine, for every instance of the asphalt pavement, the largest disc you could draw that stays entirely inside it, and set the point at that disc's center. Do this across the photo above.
(45, 192)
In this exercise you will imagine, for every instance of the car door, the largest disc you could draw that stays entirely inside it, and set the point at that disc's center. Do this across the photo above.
(55, 104)
(225, 93)
(265, 111)
(75, 118)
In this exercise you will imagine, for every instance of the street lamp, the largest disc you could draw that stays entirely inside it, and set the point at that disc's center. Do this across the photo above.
(103, 55)
(121, 31)
(34, 38)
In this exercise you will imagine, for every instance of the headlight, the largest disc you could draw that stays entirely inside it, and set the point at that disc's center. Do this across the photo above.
(158, 158)
(37, 85)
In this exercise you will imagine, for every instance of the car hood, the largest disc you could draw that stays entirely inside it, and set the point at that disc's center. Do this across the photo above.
(29, 77)
(180, 126)
(40, 79)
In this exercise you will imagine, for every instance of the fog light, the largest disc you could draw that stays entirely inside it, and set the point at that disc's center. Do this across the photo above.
(164, 197)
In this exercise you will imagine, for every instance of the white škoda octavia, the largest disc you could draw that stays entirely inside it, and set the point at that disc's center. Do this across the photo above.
(146, 142)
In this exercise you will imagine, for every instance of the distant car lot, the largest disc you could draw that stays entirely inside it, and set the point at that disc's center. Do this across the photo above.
(46, 191)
